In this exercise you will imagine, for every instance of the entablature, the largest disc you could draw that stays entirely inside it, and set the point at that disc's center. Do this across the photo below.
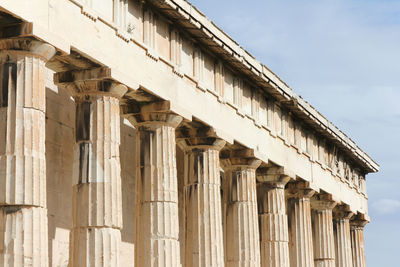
(196, 51)
(206, 32)
(177, 33)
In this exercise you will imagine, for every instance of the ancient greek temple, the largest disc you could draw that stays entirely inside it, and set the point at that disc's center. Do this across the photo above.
(138, 133)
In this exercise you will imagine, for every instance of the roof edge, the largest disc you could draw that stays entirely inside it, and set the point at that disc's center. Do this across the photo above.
(186, 9)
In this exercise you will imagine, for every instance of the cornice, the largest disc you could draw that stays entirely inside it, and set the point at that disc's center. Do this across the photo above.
(197, 24)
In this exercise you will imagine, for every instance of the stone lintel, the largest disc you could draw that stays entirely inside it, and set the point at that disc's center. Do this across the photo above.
(199, 138)
(72, 76)
(20, 29)
(239, 158)
(323, 201)
(153, 114)
(96, 81)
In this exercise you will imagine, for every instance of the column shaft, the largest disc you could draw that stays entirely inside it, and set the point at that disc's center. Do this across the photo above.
(324, 243)
(357, 244)
(97, 199)
(204, 234)
(301, 242)
(157, 220)
(343, 242)
(23, 207)
(274, 228)
(242, 233)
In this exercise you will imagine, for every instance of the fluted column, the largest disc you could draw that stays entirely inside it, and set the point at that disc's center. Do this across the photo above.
(203, 227)
(97, 201)
(273, 219)
(97, 196)
(157, 222)
(241, 233)
(324, 243)
(23, 204)
(357, 242)
(300, 237)
(342, 237)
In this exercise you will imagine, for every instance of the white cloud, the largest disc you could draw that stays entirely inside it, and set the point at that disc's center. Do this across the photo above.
(386, 206)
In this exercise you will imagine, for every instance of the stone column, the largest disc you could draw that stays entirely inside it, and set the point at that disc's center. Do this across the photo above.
(157, 223)
(241, 228)
(273, 219)
(97, 196)
(204, 234)
(300, 237)
(357, 242)
(23, 207)
(342, 236)
(324, 243)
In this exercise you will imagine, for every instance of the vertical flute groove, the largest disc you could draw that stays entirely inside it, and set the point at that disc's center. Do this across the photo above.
(324, 243)
(301, 242)
(343, 242)
(204, 242)
(274, 228)
(23, 207)
(357, 244)
(97, 197)
(242, 233)
(158, 224)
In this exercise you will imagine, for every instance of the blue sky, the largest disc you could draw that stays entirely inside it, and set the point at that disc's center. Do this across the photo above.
(343, 57)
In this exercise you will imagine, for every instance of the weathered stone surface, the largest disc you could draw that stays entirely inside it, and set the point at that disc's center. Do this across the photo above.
(129, 194)
(342, 236)
(241, 227)
(357, 242)
(23, 235)
(95, 246)
(60, 121)
(97, 197)
(273, 219)
(148, 46)
(300, 238)
(157, 228)
(324, 243)
(23, 207)
(203, 217)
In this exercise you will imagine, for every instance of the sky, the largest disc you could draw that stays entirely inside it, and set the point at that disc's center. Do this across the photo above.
(343, 57)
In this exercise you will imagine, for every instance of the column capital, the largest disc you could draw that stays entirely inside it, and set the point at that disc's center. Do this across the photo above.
(300, 189)
(152, 115)
(274, 176)
(82, 84)
(323, 201)
(15, 48)
(239, 158)
(341, 212)
(199, 138)
(358, 221)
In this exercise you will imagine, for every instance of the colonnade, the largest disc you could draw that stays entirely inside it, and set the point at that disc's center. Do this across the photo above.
(264, 217)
